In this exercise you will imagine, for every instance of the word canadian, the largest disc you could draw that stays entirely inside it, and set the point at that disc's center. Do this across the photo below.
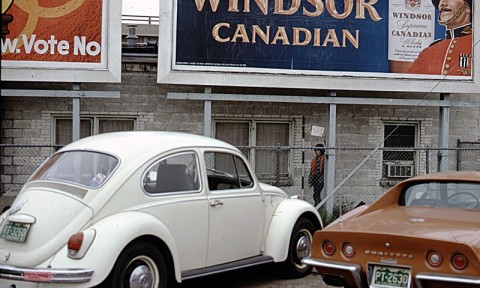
(300, 36)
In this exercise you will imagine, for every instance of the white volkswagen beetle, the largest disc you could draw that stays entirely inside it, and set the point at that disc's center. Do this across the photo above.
(147, 209)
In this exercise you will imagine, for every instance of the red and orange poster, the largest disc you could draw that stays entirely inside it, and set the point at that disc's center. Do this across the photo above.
(53, 31)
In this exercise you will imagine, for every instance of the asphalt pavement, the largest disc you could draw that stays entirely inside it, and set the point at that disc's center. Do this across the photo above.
(264, 276)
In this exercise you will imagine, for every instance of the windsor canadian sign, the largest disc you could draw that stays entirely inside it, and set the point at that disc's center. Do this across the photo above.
(395, 45)
(69, 40)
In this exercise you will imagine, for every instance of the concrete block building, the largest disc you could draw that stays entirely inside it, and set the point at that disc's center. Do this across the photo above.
(374, 138)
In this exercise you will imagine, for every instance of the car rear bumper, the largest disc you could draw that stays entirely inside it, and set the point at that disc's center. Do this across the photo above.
(45, 275)
(428, 280)
(337, 273)
(349, 275)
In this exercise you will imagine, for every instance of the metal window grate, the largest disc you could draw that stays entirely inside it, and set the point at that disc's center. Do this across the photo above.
(400, 170)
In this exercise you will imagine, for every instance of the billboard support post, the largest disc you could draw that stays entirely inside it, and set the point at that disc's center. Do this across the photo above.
(76, 114)
(443, 133)
(207, 114)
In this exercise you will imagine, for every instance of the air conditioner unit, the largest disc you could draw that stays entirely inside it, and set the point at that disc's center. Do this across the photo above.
(400, 170)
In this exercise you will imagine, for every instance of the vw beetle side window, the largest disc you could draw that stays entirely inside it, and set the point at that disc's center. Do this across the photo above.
(226, 171)
(176, 173)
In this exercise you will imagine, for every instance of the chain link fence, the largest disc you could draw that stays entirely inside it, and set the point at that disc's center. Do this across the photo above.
(355, 174)
(468, 156)
(17, 164)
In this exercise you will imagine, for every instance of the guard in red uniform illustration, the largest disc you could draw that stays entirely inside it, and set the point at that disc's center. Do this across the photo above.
(451, 56)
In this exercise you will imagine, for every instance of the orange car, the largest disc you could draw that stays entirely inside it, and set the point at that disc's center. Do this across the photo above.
(424, 233)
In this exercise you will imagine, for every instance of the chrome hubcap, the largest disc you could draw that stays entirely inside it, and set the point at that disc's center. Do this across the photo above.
(303, 247)
(141, 277)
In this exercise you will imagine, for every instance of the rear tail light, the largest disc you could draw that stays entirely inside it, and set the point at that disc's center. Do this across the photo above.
(434, 259)
(459, 261)
(348, 250)
(79, 243)
(329, 248)
(75, 242)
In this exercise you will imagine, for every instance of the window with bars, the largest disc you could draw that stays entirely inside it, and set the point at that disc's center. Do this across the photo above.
(258, 139)
(90, 126)
(399, 154)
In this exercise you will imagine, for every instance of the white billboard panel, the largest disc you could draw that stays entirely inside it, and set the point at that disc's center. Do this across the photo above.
(66, 41)
(394, 45)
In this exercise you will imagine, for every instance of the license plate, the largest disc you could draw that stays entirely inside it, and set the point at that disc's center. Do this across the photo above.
(388, 277)
(15, 231)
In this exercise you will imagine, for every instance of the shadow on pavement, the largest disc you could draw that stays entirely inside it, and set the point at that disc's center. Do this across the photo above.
(263, 276)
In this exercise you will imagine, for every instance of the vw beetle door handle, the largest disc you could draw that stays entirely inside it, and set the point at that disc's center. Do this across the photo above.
(216, 203)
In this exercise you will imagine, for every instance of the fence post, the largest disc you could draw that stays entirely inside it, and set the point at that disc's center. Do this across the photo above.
(427, 161)
(459, 144)
(277, 166)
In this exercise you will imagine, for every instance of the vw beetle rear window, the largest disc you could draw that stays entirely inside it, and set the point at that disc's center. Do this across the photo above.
(85, 168)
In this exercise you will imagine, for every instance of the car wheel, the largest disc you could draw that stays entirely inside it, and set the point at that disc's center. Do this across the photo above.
(300, 247)
(140, 265)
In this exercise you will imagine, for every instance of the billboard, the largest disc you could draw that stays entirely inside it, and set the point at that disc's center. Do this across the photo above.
(395, 45)
(63, 41)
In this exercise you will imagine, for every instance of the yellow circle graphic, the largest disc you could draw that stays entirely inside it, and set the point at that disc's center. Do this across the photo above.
(34, 11)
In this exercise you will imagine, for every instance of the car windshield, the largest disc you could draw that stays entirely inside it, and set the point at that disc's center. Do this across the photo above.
(444, 194)
(85, 168)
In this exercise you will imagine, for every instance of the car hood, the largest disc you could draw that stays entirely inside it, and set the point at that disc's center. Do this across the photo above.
(446, 224)
(54, 216)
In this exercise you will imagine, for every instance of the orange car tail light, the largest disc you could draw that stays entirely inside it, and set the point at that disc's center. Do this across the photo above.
(329, 248)
(348, 250)
(79, 243)
(434, 259)
(75, 242)
(459, 261)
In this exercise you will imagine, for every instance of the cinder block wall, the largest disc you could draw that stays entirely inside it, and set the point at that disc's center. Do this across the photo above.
(28, 120)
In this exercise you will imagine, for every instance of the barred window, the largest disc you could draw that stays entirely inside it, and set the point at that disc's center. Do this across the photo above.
(90, 126)
(64, 130)
(399, 154)
(257, 141)
(235, 133)
(271, 134)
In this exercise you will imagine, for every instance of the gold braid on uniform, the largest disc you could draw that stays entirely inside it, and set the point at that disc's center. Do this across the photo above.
(467, 30)
(455, 16)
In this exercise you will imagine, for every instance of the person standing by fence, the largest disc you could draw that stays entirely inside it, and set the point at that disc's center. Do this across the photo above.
(315, 178)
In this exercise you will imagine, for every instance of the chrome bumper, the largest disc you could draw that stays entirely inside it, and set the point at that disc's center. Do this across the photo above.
(352, 271)
(453, 280)
(45, 275)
